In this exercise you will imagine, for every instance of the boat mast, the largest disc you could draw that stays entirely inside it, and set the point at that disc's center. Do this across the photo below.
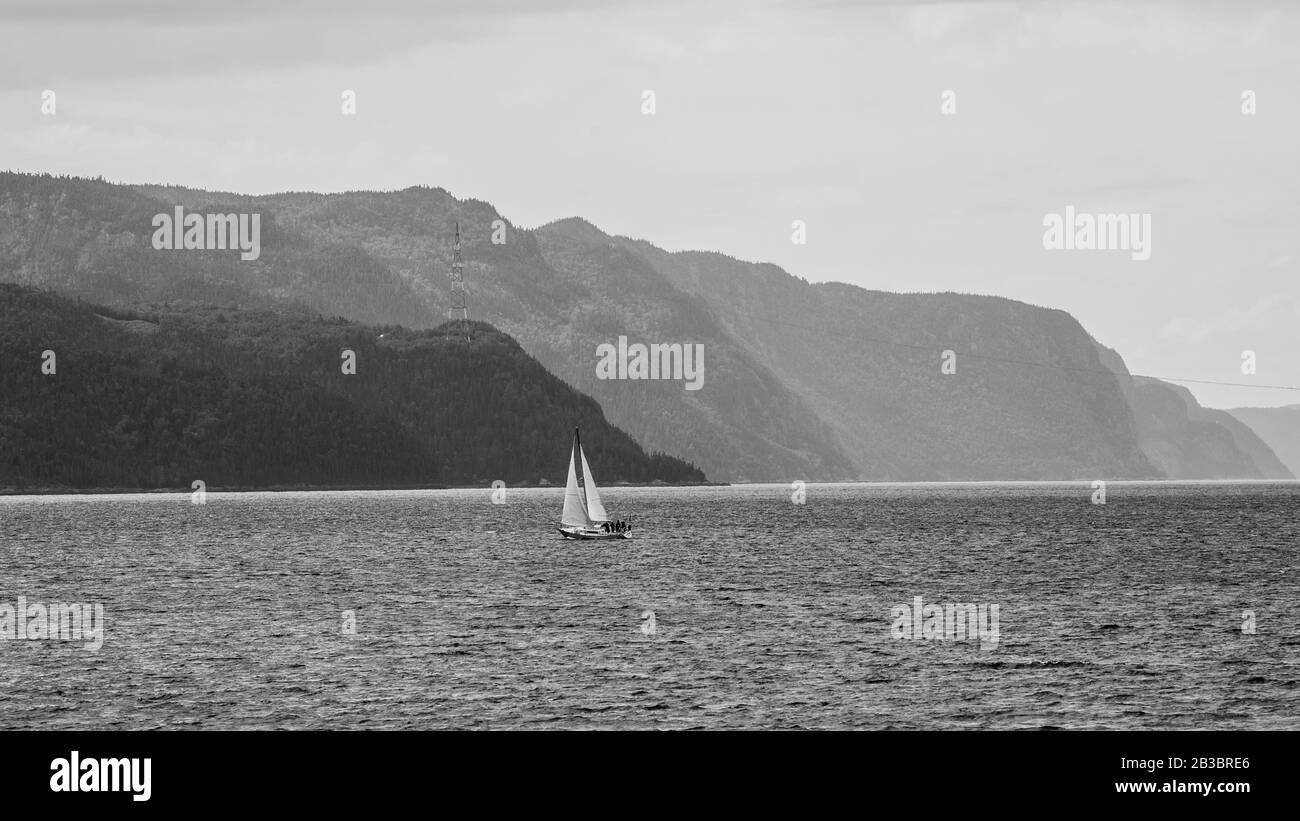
(577, 456)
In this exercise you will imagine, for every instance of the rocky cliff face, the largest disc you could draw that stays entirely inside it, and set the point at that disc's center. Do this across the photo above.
(1186, 441)
(1279, 428)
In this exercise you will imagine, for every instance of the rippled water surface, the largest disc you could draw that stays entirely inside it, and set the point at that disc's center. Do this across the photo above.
(766, 613)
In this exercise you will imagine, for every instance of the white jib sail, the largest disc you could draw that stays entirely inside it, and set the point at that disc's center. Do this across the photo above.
(595, 510)
(575, 510)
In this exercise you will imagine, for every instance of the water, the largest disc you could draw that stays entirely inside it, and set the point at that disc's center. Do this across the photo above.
(766, 613)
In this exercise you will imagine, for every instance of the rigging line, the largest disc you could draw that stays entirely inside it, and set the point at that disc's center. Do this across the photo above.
(930, 348)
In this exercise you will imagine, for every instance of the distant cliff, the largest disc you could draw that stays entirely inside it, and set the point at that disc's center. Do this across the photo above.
(1279, 428)
(1186, 441)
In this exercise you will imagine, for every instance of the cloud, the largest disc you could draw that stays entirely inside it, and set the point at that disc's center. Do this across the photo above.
(83, 41)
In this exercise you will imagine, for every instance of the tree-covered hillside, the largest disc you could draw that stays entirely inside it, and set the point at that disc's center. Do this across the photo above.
(159, 398)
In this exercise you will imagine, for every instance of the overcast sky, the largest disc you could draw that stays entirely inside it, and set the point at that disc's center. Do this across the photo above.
(769, 112)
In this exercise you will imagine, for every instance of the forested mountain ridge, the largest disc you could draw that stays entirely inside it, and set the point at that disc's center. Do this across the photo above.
(813, 381)
(159, 398)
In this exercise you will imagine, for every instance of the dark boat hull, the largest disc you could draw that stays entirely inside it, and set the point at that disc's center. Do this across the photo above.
(590, 535)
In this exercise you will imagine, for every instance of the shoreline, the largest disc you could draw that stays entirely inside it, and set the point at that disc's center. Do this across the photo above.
(106, 491)
(114, 491)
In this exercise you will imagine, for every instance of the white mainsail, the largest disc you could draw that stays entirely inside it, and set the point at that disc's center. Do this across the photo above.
(575, 508)
(595, 510)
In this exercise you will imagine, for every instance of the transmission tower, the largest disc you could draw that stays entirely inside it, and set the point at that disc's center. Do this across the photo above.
(459, 296)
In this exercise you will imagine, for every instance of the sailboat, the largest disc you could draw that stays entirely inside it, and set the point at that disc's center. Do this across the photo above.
(583, 512)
